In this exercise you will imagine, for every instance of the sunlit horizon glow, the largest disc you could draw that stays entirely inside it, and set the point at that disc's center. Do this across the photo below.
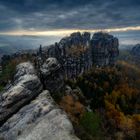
(62, 32)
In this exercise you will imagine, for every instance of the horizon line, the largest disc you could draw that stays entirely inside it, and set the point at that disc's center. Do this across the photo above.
(62, 32)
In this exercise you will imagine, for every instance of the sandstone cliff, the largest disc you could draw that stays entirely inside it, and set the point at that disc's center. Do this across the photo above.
(79, 52)
(29, 113)
(104, 49)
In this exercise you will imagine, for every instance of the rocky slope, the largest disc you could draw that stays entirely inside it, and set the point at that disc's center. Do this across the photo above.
(27, 112)
(25, 87)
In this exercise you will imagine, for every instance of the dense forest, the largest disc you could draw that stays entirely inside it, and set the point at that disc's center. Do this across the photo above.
(108, 102)
(8, 65)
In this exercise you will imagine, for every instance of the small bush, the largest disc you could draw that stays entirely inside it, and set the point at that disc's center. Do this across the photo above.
(1, 88)
(91, 122)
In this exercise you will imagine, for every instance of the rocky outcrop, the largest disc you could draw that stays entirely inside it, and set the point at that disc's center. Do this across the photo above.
(75, 39)
(104, 48)
(77, 53)
(28, 113)
(24, 69)
(52, 75)
(40, 120)
(25, 87)
(72, 53)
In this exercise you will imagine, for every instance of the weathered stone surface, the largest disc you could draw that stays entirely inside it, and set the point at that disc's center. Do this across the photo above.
(51, 65)
(25, 87)
(72, 53)
(40, 120)
(75, 39)
(27, 113)
(77, 53)
(104, 48)
(52, 75)
(24, 69)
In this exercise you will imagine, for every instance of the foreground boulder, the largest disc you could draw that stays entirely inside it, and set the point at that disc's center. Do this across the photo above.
(52, 75)
(40, 120)
(25, 87)
(24, 69)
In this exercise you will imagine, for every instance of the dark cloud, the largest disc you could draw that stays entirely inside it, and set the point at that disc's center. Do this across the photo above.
(59, 14)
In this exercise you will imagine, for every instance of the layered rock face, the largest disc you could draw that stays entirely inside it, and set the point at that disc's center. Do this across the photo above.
(77, 53)
(73, 53)
(29, 113)
(104, 48)
(25, 87)
(40, 120)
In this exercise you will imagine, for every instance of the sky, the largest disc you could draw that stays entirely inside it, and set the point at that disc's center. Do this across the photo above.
(46, 21)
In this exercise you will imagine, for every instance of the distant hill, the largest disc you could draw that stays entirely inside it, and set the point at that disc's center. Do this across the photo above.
(12, 44)
(136, 50)
(6, 50)
(125, 47)
(132, 55)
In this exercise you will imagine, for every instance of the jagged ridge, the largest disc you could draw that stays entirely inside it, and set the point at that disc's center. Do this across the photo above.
(79, 52)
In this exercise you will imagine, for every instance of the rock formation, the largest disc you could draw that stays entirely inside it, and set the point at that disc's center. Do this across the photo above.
(77, 53)
(52, 75)
(40, 120)
(72, 52)
(28, 113)
(104, 49)
(25, 87)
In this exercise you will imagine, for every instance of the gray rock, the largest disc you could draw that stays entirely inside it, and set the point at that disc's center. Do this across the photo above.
(23, 69)
(25, 87)
(27, 113)
(68, 90)
(51, 65)
(64, 52)
(52, 75)
(75, 39)
(104, 49)
(77, 53)
(40, 120)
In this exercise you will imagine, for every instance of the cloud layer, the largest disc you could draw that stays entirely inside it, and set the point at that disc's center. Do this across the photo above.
(37, 15)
